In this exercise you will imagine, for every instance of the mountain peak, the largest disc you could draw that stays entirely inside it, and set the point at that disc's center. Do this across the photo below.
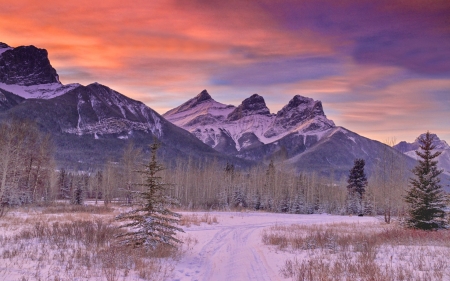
(254, 105)
(301, 107)
(404, 146)
(301, 104)
(26, 66)
(204, 95)
(437, 142)
(4, 45)
(299, 110)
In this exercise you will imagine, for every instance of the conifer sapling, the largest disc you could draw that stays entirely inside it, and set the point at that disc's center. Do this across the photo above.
(151, 224)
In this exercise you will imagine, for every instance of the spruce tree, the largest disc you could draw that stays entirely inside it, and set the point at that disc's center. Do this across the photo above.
(426, 197)
(151, 224)
(357, 182)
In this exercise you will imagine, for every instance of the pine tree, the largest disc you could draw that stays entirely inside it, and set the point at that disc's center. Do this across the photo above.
(76, 184)
(151, 224)
(425, 197)
(357, 182)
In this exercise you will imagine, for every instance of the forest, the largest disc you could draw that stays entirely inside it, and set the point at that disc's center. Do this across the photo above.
(30, 175)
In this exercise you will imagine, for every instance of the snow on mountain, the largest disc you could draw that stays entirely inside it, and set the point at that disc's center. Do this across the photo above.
(199, 110)
(406, 147)
(299, 135)
(26, 71)
(4, 47)
(41, 91)
(103, 111)
(249, 124)
(442, 146)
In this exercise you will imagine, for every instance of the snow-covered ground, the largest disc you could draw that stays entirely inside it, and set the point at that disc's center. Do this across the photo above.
(232, 249)
(38, 244)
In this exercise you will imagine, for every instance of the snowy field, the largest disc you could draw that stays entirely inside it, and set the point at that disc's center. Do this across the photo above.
(37, 244)
(233, 249)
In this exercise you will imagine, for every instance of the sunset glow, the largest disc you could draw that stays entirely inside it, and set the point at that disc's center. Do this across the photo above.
(380, 68)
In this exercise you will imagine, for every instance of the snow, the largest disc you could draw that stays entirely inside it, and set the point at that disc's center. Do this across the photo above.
(80, 102)
(267, 128)
(42, 91)
(156, 128)
(232, 249)
(211, 107)
(2, 50)
(229, 249)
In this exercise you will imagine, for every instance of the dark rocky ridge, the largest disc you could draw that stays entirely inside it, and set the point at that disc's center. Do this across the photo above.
(255, 104)
(26, 65)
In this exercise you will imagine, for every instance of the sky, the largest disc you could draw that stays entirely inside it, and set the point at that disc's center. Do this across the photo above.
(381, 68)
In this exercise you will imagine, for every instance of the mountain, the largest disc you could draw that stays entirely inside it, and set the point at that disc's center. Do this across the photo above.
(299, 134)
(26, 71)
(236, 130)
(92, 123)
(89, 124)
(442, 146)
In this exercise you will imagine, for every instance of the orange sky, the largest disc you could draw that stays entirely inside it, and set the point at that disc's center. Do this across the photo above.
(381, 68)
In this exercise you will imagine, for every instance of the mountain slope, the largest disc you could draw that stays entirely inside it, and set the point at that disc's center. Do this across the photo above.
(89, 124)
(299, 134)
(233, 130)
(8, 100)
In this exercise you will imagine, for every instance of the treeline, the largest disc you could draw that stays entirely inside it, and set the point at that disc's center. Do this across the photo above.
(215, 186)
(26, 164)
(29, 175)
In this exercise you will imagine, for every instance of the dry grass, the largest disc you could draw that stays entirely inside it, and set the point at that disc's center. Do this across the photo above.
(361, 252)
(44, 245)
(67, 208)
(195, 219)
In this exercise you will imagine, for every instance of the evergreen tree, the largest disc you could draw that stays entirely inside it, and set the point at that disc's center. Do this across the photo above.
(357, 182)
(151, 223)
(98, 185)
(425, 197)
(239, 198)
(78, 197)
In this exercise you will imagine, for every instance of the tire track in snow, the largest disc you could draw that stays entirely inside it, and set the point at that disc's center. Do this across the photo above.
(231, 254)
(233, 250)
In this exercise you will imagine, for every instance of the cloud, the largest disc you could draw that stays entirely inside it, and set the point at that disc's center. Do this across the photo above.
(276, 72)
(378, 66)
(410, 34)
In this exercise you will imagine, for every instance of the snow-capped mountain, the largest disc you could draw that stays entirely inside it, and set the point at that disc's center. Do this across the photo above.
(27, 72)
(233, 129)
(89, 123)
(92, 123)
(299, 134)
(440, 145)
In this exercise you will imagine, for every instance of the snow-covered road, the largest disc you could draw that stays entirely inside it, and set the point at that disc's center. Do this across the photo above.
(232, 249)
